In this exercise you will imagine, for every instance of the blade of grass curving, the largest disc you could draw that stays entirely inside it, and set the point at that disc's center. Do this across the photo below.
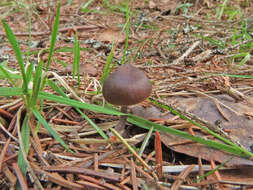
(129, 148)
(69, 2)
(202, 127)
(101, 132)
(53, 36)
(25, 138)
(108, 66)
(127, 32)
(36, 84)
(115, 7)
(193, 122)
(85, 6)
(10, 91)
(30, 32)
(7, 75)
(14, 43)
(76, 64)
(79, 104)
(221, 10)
(233, 76)
(145, 141)
(50, 130)
(29, 72)
(56, 88)
(246, 56)
(213, 144)
(215, 169)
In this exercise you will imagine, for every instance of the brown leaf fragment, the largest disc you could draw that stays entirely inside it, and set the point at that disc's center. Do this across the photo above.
(11, 177)
(56, 179)
(5, 113)
(133, 176)
(84, 68)
(183, 175)
(163, 5)
(99, 182)
(158, 154)
(3, 152)
(20, 176)
(78, 170)
(90, 185)
(195, 150)
(111, 35)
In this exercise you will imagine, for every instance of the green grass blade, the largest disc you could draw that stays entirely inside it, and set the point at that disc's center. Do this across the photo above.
(84, 7)
(36, 84)
(246, 57)
(202, 127)
(145, 142)
(193, 122)
(127, 32)
(9, 91)
(221, 10)
(69, 2)
(50, 130)
(213, 144)
(101, 132)
(25, 138)
(14, 43)
(29, 72)
(56, 88)
(108, 66)
(53, 36)
(76, 64)
(215, 169)
(234, 76)
(59, 90)
(7, 75)
(79, 104)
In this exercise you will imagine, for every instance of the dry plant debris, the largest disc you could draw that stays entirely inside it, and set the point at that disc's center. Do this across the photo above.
(184, 49)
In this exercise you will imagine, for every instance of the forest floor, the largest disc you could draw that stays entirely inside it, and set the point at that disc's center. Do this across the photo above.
(198, 57)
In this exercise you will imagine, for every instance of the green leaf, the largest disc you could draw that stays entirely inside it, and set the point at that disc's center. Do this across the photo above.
(36, 83)
(101, 132)
(9, 91)
(76, 64)
(85, 6)
(50, 130)
(29, 72)
(56, 88)
(14, 43)
(53, 36)
(108, 66)
(7, 75)
(127, 32)
(213, 144)
(25, 138)
(79, 104)
(246, 57)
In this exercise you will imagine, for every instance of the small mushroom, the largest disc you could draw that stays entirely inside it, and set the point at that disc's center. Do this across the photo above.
(126, 86)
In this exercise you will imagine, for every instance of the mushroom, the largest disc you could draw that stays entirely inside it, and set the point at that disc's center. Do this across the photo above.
(126, 86)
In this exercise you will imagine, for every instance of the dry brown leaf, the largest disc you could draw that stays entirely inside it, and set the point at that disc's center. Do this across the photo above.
(163, 5)
(239, 127)
(85, 68)
(111, 35)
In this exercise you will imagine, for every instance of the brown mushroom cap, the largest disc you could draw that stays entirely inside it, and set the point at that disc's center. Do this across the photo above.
(127, 85)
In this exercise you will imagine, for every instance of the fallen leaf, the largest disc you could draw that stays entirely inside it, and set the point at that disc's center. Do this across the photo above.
(85, 68)
(111, 35)
(239, 127)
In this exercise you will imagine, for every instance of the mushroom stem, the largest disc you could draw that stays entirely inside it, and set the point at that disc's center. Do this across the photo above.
(120, 127)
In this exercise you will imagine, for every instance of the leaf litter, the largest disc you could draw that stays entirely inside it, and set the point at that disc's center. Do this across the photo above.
(184, 69)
